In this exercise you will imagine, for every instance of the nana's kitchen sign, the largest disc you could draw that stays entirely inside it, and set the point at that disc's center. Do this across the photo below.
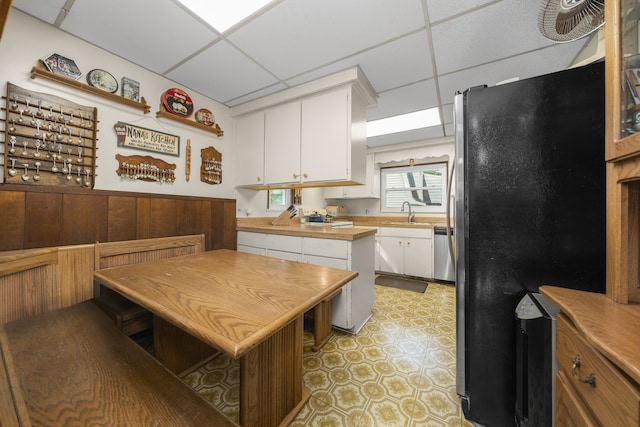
(146, 139)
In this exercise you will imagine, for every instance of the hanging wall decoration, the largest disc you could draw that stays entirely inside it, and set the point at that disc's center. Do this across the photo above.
(48, 140)
(211, 166)
(131, 136)
(146, 168)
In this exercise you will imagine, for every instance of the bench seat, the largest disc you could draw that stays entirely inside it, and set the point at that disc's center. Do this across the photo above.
(74, 367)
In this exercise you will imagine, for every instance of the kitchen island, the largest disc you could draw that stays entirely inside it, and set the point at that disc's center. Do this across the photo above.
(348, 248)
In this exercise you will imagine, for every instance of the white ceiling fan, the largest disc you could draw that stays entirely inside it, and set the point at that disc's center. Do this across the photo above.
(568, 20)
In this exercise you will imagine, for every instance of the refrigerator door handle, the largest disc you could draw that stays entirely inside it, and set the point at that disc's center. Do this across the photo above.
(448, 214)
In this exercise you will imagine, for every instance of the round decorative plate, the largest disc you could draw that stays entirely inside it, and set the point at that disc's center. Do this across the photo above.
(205, 117)
(102, 80)
(178, 102)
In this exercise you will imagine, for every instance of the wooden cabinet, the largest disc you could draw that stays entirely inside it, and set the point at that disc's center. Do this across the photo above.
(250, 161)
(598, 379)
(623, 150)
(406, 251)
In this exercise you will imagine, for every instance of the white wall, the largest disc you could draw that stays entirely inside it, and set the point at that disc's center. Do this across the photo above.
(26, 39)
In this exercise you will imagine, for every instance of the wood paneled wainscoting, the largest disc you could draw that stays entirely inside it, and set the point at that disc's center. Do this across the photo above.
(56, 216)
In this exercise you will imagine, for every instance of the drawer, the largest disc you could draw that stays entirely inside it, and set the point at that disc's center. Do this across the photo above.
(326, 247)
(418, 233)
(326, 262)
(613, 398)
(569, 409)
(284, 243)
(257, 240)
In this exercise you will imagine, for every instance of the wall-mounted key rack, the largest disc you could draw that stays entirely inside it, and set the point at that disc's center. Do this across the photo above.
(211, 166)
(48, 140)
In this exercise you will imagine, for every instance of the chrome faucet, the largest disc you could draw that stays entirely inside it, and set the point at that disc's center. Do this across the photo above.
(411, 216)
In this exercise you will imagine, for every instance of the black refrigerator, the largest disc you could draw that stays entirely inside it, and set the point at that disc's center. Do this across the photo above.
(529, 210)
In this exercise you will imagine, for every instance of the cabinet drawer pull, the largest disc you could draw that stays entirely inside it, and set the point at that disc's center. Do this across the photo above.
(591, 379)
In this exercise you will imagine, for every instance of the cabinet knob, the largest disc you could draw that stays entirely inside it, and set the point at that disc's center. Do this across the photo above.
(259, 179)
(296, 175)
(304, 175)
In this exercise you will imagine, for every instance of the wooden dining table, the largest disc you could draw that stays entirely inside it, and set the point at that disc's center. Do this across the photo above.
(250, 307)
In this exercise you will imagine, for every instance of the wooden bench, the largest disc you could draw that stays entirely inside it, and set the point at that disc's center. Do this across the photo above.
(74, 367)
(130, 317)
(36, 281)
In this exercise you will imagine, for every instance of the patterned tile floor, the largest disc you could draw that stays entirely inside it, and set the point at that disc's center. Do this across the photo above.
(398, 371)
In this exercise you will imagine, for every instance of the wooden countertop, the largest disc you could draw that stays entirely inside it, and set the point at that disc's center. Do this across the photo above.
(610, 327)
(230, 300)
(323, 231)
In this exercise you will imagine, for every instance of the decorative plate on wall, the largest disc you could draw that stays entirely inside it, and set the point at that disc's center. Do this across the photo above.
(205, 117)
(59, 64)
(102, 80)
(178, 102)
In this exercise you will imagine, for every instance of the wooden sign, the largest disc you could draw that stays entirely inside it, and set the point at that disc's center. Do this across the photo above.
(146, 139)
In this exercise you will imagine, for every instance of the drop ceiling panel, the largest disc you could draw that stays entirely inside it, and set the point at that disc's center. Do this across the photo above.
(156, 34)
(46, 11)
(407, 99)
(493, 33)
(443, 9)
(297, 36)
(409, 136)
(391, 65)
(222, 72)
(553, 58)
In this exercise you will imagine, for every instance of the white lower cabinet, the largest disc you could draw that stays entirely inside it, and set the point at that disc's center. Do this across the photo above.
(352, 308)
(407, 251)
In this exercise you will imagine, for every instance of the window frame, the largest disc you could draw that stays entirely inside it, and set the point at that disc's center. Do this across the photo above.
(288, 197)
(442, 166)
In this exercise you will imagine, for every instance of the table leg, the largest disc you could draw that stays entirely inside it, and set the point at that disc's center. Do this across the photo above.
(271, 384)
(322, 328)
(177, 350)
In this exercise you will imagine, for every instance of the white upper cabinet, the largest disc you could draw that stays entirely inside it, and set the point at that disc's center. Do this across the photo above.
(249, 130)
(314, 134)
(326, 137)
(282, 143)
(370, 189)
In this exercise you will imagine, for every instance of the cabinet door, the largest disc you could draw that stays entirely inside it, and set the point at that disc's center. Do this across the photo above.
(391, 254)
(623, 61)
(282, 144)
(250, 149)
(325, 151)
(418, 259)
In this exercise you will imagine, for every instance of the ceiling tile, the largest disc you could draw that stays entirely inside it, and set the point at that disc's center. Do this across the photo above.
(222, 72)
(46, 11)
(409, 136)
(489, 34)
(297, 36)
(391, 65)
(155, 34)
(415, 97)
(443, 9)
(553, 58)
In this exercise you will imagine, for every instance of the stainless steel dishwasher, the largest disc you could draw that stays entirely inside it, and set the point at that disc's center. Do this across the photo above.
(442, 264)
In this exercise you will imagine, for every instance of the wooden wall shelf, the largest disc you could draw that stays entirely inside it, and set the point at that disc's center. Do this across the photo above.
(39, 71)
(212, 129)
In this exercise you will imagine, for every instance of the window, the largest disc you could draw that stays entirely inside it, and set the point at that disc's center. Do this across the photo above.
(279, 199)
(423, 186)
